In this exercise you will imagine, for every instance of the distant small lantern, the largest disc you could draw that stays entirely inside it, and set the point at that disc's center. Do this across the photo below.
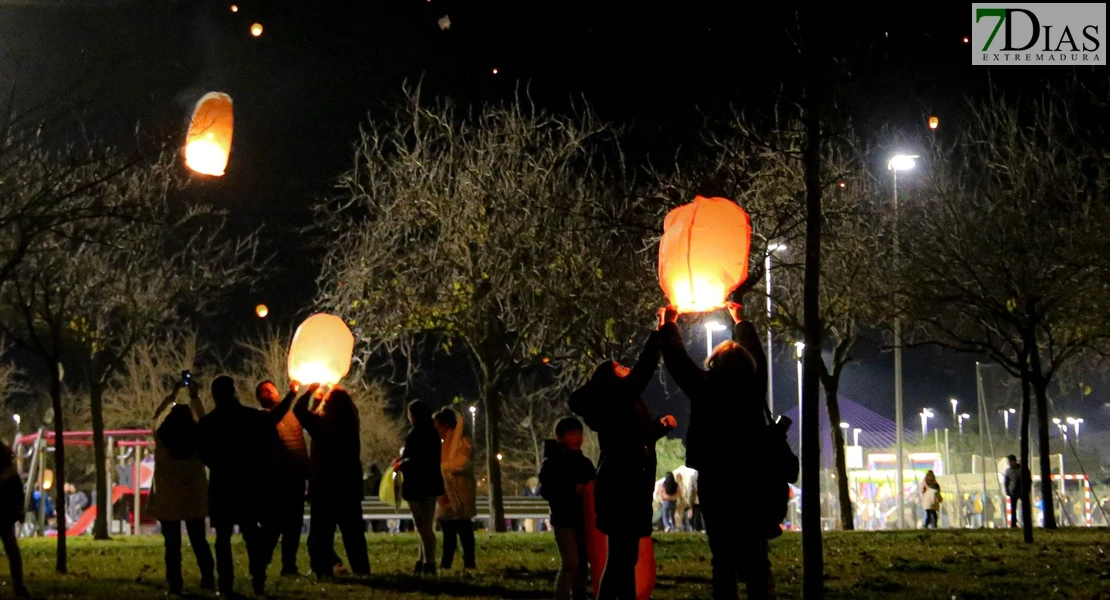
(703, 254)
(933, 123)
(256, 29)
(495, 70)
(261, 310)
(321, 350)
(208, 142)
(842, 185)
(234, 8)
(966, 39)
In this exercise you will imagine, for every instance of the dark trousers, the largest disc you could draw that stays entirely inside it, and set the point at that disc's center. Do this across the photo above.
(1014, 500)
(618, 581)
(197, 530)
(347, 516)
(930, 518)
(260, 548)
(288, 521)
(570, 583)
(455, 531)
(739, 550)
(15, 557)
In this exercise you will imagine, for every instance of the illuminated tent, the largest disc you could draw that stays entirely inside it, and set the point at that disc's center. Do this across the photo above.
(703, 254)
(321, 350)
(208, 143)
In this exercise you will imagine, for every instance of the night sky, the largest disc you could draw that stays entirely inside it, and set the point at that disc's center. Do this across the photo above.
(322, 68)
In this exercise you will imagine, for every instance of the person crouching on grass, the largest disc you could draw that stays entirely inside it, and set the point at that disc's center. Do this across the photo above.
(563, 478)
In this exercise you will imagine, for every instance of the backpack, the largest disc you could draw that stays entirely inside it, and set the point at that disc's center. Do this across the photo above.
(783, 469)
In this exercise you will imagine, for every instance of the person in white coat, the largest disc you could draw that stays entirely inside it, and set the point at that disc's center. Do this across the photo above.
(930, 499)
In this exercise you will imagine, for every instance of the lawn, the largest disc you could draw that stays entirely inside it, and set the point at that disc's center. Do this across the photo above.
(935, 564)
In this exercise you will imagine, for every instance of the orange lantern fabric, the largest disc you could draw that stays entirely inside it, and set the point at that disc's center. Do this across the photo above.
(703, 254)
(597, 548)
(321, 350)
(208, 143)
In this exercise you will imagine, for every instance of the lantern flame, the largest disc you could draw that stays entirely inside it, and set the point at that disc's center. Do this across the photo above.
(321, 350)
(208, 142)
(934, 122)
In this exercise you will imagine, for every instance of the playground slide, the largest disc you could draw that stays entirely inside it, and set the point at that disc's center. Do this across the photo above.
(82, 525)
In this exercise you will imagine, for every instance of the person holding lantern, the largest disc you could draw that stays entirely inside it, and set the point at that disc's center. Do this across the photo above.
(289, 485)
(610, 404)
(419, 464)
(334, 482)
(458, 505)
(728, 419)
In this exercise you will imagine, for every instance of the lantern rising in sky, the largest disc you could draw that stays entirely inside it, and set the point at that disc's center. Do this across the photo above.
(234, 8)
(256, 29)
(208, 143)
(261, 310)
(934, 122)
(703, 254)
(321, 350)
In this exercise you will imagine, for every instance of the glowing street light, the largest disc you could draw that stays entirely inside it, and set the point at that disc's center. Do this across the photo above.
(17, 419)
(925, 415)
(473, 420)
(1075, 423)
(710, 327)
(954, 403)
(855, 436)
(961, 419)
(845, 427)
(902, 162)
(1006, 412)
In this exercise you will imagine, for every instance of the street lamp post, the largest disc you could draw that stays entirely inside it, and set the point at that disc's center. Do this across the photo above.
(799, 348)
(926, 414)
(1075, 423)
(845, 427)
(473, 420)
(771, 249)
(960, 419)
(899, 162)
(710, 327)
(855, 436)
(1006, 412)
(954, 403)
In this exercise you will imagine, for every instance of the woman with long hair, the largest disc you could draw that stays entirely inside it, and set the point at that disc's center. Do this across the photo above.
(180, 487)
(458, 505)
(334, 482)
(419, 464)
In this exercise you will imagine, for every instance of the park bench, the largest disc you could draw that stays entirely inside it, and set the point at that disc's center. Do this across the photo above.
(516, 507)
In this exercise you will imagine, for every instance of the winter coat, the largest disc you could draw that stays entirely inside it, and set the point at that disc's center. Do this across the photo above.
(930, 496)
(237, 445)
(1013, 481)
(460, 487)
(627, 432)
(420, 464)
(562, 471)
(726, 408)
(335, 462)
(180, 491)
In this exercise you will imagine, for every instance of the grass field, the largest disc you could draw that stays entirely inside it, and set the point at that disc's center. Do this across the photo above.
(936, 564)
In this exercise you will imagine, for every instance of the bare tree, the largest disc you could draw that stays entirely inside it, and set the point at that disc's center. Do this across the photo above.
(146, 373)
(478, 235)
(1009, 254)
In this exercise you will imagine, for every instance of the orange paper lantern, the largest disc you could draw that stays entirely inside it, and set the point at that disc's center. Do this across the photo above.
(703, 254)
(934, 122)
(261, 310)
(208, 143)
(321, 350)
(256, 29)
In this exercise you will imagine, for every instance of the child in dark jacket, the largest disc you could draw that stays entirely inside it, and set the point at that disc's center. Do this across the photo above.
(563, 477)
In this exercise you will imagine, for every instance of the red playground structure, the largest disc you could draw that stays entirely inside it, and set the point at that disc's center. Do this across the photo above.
(129, 452)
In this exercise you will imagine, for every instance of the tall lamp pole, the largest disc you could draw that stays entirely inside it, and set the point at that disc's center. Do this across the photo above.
(771, 249)
(900, 162)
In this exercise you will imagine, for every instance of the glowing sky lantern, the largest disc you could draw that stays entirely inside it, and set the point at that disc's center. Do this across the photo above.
(321, 350)
(256, 29)
(234, 8)
(703, 254)
(934, 122)
(208, 143)
(261, 310)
